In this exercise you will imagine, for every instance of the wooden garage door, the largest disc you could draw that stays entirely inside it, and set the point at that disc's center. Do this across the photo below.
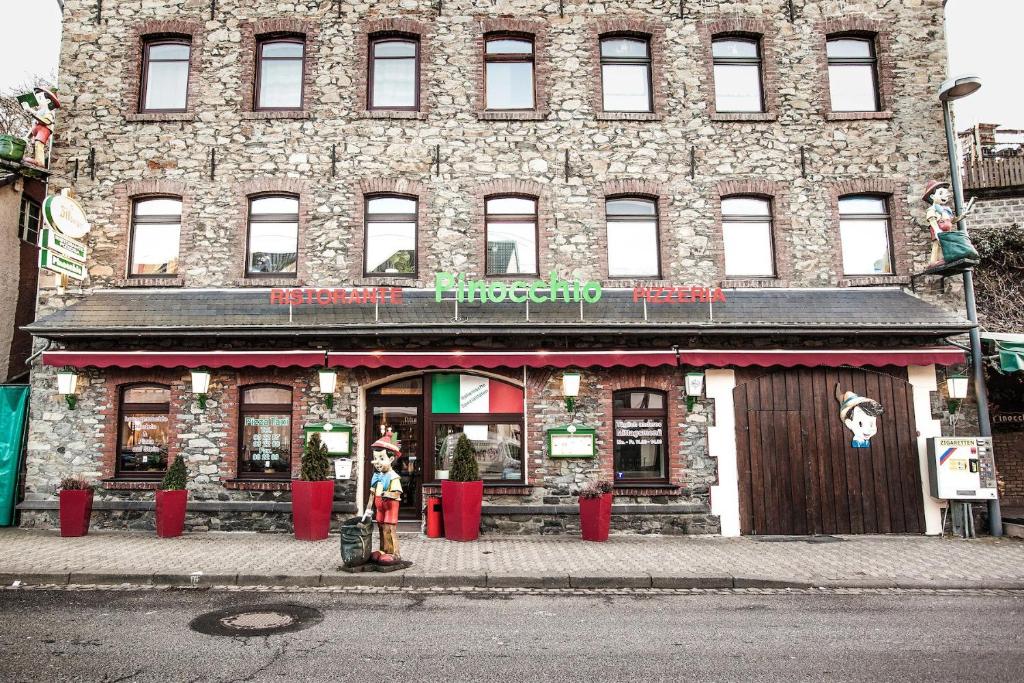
(798, 473)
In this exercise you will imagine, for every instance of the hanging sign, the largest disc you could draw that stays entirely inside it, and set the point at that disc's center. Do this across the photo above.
(61, 265)
(65, 214)
(63, 245)
(572, 442)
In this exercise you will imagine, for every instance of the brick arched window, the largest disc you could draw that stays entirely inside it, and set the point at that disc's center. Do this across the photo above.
(739, 81)
(634, 242)
(273, 236)
(627, 83)
(748, 236)
(390, 235)
(640, 436)
(865, 232)
(155, 243)
(393, 82)
(166, 61)
(265, 432)
(144, 429)
(510, 229)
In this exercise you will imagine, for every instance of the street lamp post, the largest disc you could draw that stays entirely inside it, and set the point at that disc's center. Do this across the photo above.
(951, 90)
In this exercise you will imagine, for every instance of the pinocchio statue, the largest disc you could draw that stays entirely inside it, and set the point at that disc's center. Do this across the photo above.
(385, 497)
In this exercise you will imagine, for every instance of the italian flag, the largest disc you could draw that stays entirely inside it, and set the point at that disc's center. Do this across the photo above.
(472, 394)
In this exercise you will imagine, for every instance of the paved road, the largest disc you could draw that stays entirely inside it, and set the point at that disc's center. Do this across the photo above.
(100, 635)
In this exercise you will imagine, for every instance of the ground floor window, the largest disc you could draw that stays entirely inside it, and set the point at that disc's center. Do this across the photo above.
(265, 419)
(498, 447)
(144, 431)
(640, 454)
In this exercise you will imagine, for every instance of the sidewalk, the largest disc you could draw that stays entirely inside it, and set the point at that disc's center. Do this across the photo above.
(114, 557)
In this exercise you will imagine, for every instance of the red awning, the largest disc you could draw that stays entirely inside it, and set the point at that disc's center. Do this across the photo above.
(184, 359)
(831, 358)
(467, 360)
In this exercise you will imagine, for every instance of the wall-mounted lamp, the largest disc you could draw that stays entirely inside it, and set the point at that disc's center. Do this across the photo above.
(956, 391)
(67, 382)
(201, 385)
(570, 390)
(328, 381)
(694, 388)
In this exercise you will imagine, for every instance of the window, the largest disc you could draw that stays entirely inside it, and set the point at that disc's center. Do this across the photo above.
(156, 234)
(640, 419)
(509, 65)
(165, 75)
(265, 413)
(864, 230)
(853, 74)
(747, 234)
(633, 237)
(28, 220)
(626, 74)
(737, 63)
(279, 72)
(144, 434)
(394, 73)
(511, 233)
(273, 236)
(390, 236)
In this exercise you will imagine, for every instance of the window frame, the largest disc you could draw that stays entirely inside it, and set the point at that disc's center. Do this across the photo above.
(248, 232)
(152, 220)
(530, 59)
(635, 218)
(372, 62)
(148, 43)
(512, 218)
(23, 229)
(737, 218)
(887, 216)
(140, 409)
(261, 42)
(757, 61)
(393, 219)
(267, 409)
(663, 415)
(647, 61)
(873, 61)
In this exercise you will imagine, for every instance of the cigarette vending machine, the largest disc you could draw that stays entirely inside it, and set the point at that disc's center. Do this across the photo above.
(962, 468)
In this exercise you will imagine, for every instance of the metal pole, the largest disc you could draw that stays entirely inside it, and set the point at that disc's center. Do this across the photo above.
(995, 517)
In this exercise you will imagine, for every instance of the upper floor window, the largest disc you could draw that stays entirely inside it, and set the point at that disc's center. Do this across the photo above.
(640, 419)
(394, 73)
(279, 72)
(273, 236)
(165, 75)
(29, 220)
(144, 431)
(509, 72)
(390, 235)
(633, 241)
(156, 237)
(265, 432)
(747, 236)
(511, 234)
(738, 83)
(853, 74)
(626, 74)
(865, 234)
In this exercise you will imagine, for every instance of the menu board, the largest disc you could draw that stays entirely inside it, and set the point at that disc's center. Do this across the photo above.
(337, 436)
(572, 442)
(639, 432)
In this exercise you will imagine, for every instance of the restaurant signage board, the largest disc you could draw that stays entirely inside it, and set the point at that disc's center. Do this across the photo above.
(63, 245)
(61, 264)
(66, 215)
(572, 442)
(337, 436)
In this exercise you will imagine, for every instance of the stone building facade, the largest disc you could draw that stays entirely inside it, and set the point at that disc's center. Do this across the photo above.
(450, 153)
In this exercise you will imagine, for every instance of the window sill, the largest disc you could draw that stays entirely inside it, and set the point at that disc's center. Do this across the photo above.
(489, 489)
(875, 280)
(258, 484)
(627, 116)
(268, 282)
(150, 282)
(130, 484)
(858, 115)
(161, 116)
(397, 114)
(646, 489)
(511, 115)
(264, 115)
(745, 116)
(753, 283)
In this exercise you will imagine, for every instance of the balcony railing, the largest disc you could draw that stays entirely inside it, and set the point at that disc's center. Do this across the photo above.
(994, 172)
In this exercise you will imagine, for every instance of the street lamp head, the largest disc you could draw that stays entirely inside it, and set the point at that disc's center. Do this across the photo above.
(957, 88)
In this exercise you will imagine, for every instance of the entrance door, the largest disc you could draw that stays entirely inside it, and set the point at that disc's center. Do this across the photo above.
(402, 417)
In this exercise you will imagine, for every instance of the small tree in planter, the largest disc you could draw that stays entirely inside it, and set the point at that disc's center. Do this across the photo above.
(171, 500)
(75, 506)
(595, 510)
(313, 493)
(462, 494)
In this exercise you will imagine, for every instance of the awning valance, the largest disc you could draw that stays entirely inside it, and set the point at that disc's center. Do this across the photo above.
(184, 359)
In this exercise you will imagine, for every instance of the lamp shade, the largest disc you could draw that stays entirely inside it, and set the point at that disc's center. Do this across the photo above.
(956, 386)
(328, 381)
(571, 384)
(200, 381)
(957, 88)
(694, 383)
(67, 382)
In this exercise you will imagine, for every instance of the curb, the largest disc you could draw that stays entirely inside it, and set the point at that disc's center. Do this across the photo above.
(496, 580)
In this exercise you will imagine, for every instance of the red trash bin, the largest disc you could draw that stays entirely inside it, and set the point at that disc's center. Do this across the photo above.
(435, 518)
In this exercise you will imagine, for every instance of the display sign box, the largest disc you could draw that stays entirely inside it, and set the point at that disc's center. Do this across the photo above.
(572, 442)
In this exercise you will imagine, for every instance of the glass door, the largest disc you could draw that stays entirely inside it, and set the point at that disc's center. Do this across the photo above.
(404, 423)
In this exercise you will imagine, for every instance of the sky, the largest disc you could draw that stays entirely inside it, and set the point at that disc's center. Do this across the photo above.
(983, 36)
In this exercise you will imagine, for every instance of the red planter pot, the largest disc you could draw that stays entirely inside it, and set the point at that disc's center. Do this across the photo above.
(75, 510)
(595, 517)
(461, 502)
(311, 509)
(170, 513)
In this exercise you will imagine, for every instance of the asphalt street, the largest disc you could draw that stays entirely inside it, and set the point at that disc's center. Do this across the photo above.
(102, 635)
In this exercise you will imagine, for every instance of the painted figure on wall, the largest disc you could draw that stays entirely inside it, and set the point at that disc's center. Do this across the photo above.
(860, 415)
(41, 105)
(385, 494)
(941, 217)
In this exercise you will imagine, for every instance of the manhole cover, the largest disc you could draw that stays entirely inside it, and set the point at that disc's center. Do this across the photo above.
(256, 620)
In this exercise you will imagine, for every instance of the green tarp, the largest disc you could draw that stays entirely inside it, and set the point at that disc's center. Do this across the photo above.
(13, 405)
(1011, 356)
